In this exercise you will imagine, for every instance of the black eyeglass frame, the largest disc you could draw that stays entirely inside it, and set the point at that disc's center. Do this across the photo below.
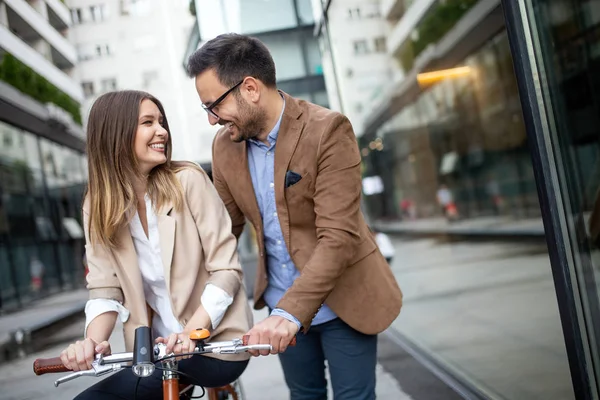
(209, 109)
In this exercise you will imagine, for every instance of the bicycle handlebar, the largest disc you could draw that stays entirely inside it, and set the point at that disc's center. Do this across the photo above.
(114, 362)
(43, 366)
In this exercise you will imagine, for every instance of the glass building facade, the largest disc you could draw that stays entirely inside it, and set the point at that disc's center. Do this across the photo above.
(41, 236)
(481, 163)
(286, 28)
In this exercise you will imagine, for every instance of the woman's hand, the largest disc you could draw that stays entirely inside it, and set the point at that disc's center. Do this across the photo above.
(178, 343)
(80, 355)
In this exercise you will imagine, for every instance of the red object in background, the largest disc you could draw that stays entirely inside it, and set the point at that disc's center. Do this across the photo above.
(451, 210)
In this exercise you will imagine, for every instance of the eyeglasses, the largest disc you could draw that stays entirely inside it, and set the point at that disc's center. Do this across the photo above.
(209, 109)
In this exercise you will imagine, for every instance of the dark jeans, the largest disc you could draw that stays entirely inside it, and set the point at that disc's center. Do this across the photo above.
(207, 372)
(351, 357)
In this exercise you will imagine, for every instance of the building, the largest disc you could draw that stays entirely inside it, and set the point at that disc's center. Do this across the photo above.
(285, 27)
(356, 65)
(139, 44)
(42, 162)
(463, 129)
(493, 107)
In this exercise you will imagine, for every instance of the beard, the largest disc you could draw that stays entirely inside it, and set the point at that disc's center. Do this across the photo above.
(252, 120)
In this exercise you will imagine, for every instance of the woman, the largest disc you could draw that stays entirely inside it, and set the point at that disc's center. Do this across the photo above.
(159, 249)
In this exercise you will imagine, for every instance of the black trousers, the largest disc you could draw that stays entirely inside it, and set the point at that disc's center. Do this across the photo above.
(206, 371)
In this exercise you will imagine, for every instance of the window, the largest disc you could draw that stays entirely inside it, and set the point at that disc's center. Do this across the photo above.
(76, 16)
(305, 12)
(7, 141)
(354, 13)
(102, 50)
(108, 84)
(371, 10)
(264, 16)
(88, 88)
(361, 47)
(135, 8)
(380, 45)
(98, 13)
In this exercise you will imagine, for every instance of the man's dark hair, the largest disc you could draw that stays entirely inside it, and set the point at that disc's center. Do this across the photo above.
(233, 58)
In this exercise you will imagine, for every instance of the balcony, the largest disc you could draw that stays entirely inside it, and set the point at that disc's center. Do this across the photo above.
(34, 60)
(409, 21)
(58, 14)
(392, 10)
(32, 28)
(445, 49)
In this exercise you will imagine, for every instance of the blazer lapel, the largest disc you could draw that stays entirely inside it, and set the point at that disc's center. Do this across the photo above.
(246, 187)
(287, 141)
(127, 259)
(166, 234)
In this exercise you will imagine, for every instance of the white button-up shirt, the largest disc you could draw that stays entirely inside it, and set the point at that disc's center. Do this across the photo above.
(214, 299)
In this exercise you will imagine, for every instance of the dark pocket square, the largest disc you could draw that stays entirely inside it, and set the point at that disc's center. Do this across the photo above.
(291, 178)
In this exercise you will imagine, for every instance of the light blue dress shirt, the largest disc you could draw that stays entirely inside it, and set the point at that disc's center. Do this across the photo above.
(281, 269)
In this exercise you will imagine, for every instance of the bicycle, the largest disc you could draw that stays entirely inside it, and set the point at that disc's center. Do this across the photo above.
(142, 363)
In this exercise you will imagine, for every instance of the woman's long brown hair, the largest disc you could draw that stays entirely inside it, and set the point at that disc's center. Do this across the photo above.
(113, 166)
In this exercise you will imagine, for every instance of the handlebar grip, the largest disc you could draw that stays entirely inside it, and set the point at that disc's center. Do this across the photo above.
(43, 366)
(246, 337)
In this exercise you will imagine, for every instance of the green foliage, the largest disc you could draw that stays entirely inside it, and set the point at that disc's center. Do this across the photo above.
(192, 7)
(23, 78)
(433, 27)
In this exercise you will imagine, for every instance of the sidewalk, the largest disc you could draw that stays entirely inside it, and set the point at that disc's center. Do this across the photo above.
(26, 329)
(482, 226)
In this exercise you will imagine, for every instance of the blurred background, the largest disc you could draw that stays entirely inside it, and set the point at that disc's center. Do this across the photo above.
(477, 121)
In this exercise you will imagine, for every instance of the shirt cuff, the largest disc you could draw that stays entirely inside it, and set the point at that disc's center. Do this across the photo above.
(216, 301)
(282, 313)
(95, 307)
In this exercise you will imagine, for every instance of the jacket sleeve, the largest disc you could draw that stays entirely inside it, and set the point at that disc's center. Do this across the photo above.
(237, 217)
(337, 209)
(214, 228)
(102, 280)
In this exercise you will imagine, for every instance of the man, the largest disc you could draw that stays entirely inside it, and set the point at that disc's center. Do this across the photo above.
(292, 169)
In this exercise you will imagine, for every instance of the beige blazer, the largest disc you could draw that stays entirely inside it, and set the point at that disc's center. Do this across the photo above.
(197, 248)
(324, 229)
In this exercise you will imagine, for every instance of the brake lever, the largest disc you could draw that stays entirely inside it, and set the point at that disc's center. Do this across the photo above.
(240, 349)
(97, 370)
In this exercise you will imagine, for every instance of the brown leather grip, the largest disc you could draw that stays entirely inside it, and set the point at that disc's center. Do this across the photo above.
(245, 339)
(43, 366)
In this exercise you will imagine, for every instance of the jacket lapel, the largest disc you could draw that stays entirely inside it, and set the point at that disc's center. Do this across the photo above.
(246, 187)
(166, 233)
(287, 141)
(126, 258)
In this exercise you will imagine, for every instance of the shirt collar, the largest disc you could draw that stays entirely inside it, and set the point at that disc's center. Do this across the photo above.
(275, 131)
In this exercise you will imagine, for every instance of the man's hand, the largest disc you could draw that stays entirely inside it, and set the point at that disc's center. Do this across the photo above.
(276, 331)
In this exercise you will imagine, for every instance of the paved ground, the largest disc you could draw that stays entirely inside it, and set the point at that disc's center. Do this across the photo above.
(487, 311)
(482, 226)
